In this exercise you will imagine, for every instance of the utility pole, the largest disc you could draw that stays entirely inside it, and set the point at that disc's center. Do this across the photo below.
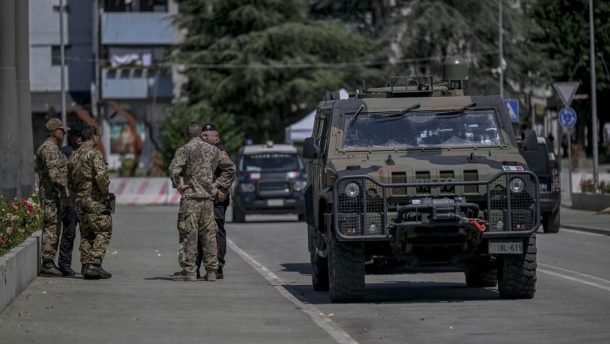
(62, 53)
(593, 96)
(9, 124)
(501, 46)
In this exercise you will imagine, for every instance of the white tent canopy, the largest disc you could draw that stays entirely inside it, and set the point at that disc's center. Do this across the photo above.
(299, 131)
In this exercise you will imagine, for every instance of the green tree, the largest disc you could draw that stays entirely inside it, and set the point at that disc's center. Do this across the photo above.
(565, 34)
(266, 62)
(173, 128)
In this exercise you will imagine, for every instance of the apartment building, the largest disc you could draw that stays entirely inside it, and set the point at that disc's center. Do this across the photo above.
(126, 74)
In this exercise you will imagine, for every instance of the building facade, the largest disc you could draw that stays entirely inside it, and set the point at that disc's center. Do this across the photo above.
(115, 71)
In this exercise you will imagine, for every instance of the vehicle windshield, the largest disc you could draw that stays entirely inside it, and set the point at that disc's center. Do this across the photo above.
(422, 130)
(271, 162)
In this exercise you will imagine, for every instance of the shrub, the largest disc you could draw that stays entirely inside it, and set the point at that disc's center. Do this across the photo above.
(18, 220)
(586, 185)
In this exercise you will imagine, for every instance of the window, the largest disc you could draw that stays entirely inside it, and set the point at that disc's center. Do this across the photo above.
(56, 54)
(135, 5)
(56, 5)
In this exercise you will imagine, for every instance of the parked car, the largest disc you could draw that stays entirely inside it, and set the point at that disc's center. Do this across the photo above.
(270, 180)
(544, 164)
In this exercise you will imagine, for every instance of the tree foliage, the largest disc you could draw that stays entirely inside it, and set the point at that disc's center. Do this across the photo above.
(266, 62)
(173, 128)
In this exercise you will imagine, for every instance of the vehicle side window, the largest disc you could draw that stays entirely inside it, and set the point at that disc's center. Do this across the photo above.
(324, 133)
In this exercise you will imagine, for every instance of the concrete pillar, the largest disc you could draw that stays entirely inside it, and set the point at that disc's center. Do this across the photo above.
(22, 54)
(9, 125)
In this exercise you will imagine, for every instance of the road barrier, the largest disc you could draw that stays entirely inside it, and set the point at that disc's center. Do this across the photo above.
(144, 191)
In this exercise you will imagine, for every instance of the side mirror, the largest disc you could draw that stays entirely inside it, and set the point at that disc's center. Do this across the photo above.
(310, 151)
(530, 142)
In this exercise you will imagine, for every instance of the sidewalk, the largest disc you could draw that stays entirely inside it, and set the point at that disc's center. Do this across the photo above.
(141, 304)
(587, 221)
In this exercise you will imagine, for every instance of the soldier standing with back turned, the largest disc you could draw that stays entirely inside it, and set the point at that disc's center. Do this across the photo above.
(52, 169)
(192, 174)
(89, 183)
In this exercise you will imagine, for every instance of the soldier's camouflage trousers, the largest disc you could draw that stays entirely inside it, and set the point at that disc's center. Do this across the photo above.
(51, 228)
(196, 222)
(95, 232)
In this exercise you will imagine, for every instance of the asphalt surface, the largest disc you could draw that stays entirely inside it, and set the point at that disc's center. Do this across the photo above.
(267, 295)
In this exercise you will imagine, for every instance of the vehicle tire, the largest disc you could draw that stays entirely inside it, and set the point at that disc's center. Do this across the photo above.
(481, 273)
(346, 271)
(301, 217)
(550, 222)
(517, 273)
(319, 272)
(238, 215)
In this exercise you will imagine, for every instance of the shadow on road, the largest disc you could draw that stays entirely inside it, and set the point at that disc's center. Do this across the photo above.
(162, 278)
(403, 292)
(302, 268)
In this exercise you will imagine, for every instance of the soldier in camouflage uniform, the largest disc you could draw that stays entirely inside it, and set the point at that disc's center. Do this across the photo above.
(192, 173)
(89, 183)
(52, 169)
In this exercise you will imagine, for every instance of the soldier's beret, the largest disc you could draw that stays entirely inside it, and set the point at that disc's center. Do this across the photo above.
(55, 123)
(209, 127)
(75, 130)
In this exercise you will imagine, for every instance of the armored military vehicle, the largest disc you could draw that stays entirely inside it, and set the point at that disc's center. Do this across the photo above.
(418, 174)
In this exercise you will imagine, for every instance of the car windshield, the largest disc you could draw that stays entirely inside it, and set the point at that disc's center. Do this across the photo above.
(271, 162)
(422, 130)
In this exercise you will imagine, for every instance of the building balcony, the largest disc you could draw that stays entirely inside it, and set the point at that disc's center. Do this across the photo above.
(136, 83)
(137, 28)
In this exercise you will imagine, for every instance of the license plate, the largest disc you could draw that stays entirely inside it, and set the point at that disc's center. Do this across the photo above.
(505, 247)
(275, 202)
(543, 187)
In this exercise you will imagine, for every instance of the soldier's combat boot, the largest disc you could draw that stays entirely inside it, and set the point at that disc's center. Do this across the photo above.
(185, 277)
(210, 276)
(219, 274)
(91, 271)
(103, 273)
(49, 269)
(67, 271)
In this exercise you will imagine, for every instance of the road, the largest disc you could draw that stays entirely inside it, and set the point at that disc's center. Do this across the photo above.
(267, 296)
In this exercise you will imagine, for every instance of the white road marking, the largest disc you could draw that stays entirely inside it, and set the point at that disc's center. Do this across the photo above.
(582, 232)
(575, 279)
(575, 272)
(319, 318)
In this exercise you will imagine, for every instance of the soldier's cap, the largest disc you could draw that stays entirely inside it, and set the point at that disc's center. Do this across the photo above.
(54, 124)
(75, 130)
(209, 127)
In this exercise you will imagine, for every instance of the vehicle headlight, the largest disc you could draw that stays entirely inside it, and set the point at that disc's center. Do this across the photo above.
(247, 187)
(517, 185)
(352, 190)
(299, 185)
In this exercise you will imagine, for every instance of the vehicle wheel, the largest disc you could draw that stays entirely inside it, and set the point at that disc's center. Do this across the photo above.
(238, 215)
(550, 222)
(346, 271)
(319, 272)
(517, 273)
(481, 273)
(301, 217)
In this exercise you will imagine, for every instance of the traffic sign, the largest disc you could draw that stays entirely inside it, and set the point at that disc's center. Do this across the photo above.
(512, 106)
(566, 91)
(567, 117)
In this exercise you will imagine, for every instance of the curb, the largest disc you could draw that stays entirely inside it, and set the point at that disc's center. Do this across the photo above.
(586, 229)
(19, 267)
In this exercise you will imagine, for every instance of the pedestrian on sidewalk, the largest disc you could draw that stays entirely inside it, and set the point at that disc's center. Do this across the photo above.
(221, 203)
(192, 174)
(69, 217)
(52, 169)
(89, 183)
